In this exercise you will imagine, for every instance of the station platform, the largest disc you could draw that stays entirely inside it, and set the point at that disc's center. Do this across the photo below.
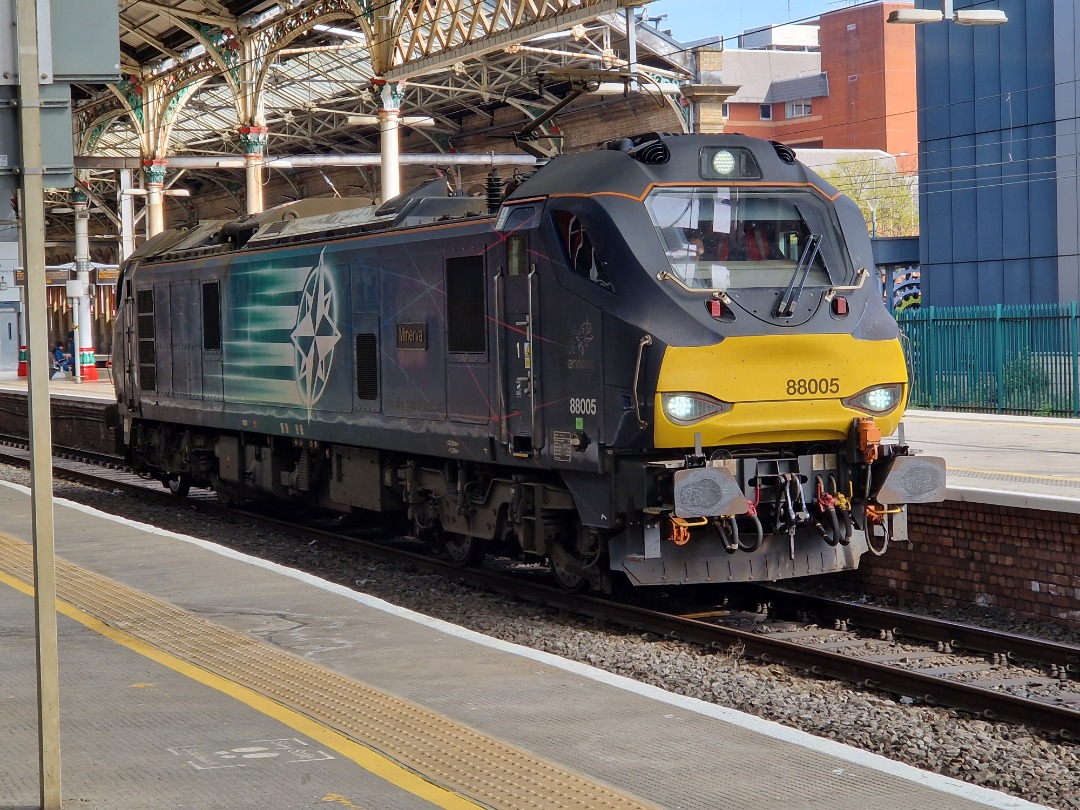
(63, 386)
(194, 676)
(1028, 462)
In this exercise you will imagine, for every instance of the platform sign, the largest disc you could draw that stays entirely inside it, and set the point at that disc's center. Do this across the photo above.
(106, 275)
(54, 276)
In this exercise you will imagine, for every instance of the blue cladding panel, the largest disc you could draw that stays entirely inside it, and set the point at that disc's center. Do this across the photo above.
(1017, 281)
(991, 283)
(1014, 193)
(1044, 285)
(1042, 203)
(935, 214)
(991, 210)
(989, 223)
(962, 191)
(965, 284)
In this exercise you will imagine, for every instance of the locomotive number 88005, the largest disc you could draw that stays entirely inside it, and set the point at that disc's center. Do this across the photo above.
(662, 359)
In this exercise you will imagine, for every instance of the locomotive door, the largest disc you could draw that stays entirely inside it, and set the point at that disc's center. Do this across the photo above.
(517, 293)
(128, 348)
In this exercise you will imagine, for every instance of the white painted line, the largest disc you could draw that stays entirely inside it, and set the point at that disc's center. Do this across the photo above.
(1018, 500)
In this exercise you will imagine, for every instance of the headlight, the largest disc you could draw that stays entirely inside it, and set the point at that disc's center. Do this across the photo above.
(879, 400)
(687, 408)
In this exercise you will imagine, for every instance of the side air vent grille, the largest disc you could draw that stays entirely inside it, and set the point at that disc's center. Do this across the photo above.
(784, 152)
(653, 153)
(275, 228)
(367, 367)
(646, 148)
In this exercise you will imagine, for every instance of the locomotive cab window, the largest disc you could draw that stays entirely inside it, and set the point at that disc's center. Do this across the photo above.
(581, 256)
(731, 238)
(516, 222)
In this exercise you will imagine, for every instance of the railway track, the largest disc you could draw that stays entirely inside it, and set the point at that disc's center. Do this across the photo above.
(989, 673)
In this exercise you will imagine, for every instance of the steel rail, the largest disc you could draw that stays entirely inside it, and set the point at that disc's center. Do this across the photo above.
(927, 628)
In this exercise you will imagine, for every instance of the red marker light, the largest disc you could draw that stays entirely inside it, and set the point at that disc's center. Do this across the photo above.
(716, 308)
(839, 306)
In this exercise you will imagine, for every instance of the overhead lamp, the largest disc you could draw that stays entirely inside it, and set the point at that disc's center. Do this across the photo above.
(619, 88)
(403, 120)
(168, 192)
(980, 17)
(917, 16)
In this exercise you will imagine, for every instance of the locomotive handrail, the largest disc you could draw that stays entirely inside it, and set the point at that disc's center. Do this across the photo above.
(537, 441)
(862, 274)
(646, 340)
(500, 319)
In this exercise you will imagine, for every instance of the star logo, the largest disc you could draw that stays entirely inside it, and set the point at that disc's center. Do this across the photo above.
(315, 334)
(582, 338)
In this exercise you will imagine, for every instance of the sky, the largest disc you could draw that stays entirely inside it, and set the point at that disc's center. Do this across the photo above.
(689, 20)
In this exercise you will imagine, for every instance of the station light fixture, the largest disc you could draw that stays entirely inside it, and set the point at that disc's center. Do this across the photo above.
(403, 120)
(917, 16)
(168, 192)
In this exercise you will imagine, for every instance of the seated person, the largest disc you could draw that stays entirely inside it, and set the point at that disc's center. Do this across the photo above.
(708, 246)
(62, 361)
(758, 247)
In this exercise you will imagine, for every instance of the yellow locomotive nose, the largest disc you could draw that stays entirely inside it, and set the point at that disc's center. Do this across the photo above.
(777, 388)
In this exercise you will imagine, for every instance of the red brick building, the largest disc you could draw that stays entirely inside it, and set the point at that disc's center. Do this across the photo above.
(855, 91)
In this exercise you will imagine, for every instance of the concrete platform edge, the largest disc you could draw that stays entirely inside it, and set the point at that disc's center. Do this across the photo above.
(1016, 500)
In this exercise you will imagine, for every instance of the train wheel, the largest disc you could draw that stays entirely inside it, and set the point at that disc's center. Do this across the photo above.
(180, 486)
(463, 550)
(567, 570)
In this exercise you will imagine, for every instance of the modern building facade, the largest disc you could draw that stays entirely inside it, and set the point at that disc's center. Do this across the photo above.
(999, 187)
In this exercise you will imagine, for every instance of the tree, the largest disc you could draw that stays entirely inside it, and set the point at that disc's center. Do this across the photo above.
(886, 195)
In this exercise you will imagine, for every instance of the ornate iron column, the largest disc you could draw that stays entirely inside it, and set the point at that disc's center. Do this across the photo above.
(253, 138)
(85, 366)
(389, 113)
(155, 196)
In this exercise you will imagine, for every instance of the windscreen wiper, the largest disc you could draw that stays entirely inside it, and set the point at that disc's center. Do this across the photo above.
(798, 279)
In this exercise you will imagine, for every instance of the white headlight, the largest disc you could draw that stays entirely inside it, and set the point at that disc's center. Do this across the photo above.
(687, 408)
(879, 400)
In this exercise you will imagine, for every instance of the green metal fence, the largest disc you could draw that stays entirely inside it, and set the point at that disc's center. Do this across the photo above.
(1000, 359)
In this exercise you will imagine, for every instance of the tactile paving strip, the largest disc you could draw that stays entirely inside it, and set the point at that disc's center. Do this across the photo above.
(1023, 478)
(454, 756)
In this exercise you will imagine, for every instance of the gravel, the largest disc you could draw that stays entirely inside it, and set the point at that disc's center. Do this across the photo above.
(1013, 759)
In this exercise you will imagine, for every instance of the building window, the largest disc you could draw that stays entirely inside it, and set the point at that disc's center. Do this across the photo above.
(766, 112)
(798, 109)
(725, 110)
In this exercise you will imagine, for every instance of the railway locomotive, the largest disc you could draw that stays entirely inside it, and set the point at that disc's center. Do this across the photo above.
(664, 359)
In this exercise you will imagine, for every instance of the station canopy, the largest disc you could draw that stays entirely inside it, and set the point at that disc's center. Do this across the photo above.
(196, 72)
